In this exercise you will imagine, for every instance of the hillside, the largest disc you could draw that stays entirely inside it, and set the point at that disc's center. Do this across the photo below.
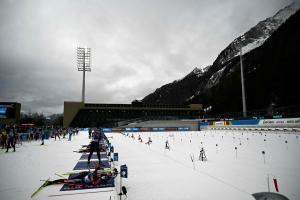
(271, 71)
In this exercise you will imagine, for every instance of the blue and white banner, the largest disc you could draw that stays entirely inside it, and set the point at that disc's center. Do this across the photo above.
(183, 128)
(286, 121)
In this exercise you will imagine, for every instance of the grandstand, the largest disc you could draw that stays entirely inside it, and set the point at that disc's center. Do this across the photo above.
(78, 114)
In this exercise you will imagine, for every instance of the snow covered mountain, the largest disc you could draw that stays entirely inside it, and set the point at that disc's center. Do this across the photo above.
(270, 52)
(257, 35)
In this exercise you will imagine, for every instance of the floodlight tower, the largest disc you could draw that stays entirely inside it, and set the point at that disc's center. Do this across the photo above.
(84, 65)
(242, 79)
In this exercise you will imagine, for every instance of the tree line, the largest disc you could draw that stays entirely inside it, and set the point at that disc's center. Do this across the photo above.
(39, 119)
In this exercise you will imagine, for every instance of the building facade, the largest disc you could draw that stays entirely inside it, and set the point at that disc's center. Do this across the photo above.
(78, 114)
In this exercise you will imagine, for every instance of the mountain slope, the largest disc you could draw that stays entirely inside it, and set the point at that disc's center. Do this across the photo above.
(270, 70)
(257, 35)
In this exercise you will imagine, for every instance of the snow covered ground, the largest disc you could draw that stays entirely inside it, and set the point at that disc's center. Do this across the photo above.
(157, 173)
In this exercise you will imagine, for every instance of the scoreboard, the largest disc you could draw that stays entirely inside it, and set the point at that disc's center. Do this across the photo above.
(9, 112)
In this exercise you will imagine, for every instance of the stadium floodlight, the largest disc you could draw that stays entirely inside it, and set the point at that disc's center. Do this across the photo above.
(84, 65)
(242, 79)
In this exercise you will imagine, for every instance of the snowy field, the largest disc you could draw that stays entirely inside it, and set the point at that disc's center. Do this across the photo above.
(157, 173)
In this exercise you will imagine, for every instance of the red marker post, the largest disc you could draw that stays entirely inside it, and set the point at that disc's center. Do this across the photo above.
(276, 184)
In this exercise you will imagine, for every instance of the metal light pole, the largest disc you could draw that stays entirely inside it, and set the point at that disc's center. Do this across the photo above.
(83, 64)
(242, 80)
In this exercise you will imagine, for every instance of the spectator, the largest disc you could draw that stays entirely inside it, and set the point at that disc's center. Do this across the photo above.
(43, 135)
(70, 131)
(3, 138)
(56, 133)
(11, 141)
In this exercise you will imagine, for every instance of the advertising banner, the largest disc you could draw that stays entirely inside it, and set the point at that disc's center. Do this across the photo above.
(183, 128)
(245, 122)
(203, 123)
(145, 129)
(273, 122)
(219, 123)
(106, 129)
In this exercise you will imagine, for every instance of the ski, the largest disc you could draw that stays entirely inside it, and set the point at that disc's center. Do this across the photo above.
(57, 195)
(61, 176)
(40, 188)
(105, 170)
(102, 150)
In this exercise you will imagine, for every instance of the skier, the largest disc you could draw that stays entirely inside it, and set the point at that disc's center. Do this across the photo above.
(85, 178)
(116, 172)
(149, 141)
(90, 132)
(97, 136)
(112, 149)
(202, 155)
(81, 180)
(167, 145)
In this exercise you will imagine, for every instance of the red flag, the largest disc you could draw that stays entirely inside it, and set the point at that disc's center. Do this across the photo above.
(275, 184)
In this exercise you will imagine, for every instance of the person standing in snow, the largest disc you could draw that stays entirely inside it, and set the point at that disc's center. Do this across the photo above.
(3, 138)
(112, 149)
(97, 136)
(64, 133)
(43, 135)
(70, 131)
(56, 133)
(149, 141)
(90, 132)
(167, 145)
(11, 139)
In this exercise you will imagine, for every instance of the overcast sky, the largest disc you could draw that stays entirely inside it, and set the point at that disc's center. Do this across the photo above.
(137, 45)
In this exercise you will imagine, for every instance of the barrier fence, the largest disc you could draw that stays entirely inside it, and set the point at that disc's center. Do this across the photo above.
(285, 122)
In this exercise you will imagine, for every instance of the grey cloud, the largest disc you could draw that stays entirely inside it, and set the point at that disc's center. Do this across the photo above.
(137, 45)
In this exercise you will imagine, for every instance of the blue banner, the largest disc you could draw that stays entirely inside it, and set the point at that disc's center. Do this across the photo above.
(245, 122)
(107, 129)
(203, 123)
(183, 128)
(116, 156)
(124, 171)
(135, 129)
(131, 129)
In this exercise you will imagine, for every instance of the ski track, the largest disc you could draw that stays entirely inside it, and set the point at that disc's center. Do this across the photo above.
(157, 173)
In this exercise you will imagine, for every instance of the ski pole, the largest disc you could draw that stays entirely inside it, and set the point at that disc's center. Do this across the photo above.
(59, 175)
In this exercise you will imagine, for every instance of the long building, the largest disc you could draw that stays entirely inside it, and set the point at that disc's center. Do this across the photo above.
(78, 114)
